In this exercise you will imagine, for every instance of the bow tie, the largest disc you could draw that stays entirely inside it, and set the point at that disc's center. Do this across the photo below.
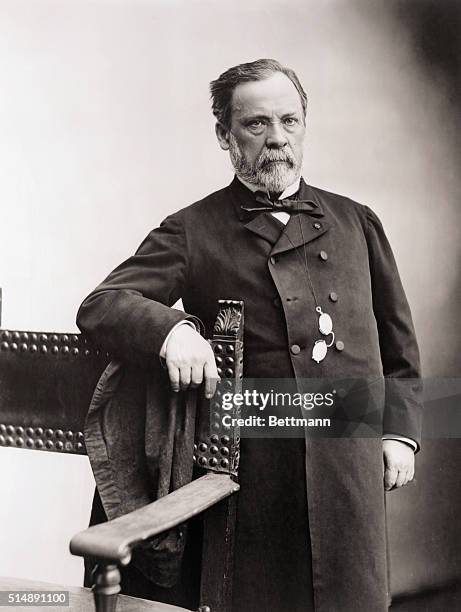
(263, 203)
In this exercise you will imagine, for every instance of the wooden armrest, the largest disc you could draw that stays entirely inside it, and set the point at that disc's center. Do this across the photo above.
(114, 540)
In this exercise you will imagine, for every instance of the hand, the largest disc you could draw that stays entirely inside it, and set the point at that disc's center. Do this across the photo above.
(398, 464)
(189, 359)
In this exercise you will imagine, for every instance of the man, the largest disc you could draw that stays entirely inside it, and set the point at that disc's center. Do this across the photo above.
(323, 300)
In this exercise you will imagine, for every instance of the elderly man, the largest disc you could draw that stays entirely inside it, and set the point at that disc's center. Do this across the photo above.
(323, 300)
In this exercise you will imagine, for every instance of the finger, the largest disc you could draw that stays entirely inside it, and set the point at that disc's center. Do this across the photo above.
(184, 377)
(402, 478)
(390, 476)
(211, 378)
(411, 474)
(196, 375)
(173, 373)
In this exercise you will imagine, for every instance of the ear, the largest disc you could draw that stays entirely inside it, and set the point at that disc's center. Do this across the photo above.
(223, 136)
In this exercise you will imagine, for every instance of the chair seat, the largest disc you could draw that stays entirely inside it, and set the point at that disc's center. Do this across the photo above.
(81, 598)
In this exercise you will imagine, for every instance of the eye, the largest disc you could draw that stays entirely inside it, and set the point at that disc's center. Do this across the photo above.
(255, 124)
(290, 121)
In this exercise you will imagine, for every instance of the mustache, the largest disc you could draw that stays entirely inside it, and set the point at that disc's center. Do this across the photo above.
(269, 156)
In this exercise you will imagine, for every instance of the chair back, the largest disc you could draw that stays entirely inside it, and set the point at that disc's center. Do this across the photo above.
(47, 381)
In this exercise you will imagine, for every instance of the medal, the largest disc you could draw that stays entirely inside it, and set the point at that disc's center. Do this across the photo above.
(320, 348)
(325, 322)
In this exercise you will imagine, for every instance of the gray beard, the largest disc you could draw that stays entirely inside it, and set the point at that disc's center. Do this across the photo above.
(270, 177)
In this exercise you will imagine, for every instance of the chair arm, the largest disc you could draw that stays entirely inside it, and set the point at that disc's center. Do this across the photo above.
(114, 540)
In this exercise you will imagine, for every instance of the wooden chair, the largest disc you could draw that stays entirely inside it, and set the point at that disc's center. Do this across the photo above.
(46, 382)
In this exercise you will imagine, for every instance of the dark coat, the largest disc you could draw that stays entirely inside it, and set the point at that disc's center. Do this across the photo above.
(213, 250)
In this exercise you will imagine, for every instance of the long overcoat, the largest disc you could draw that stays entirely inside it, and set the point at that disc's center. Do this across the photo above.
(311, 516)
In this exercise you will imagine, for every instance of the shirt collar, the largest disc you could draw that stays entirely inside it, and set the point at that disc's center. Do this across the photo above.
(290, 190)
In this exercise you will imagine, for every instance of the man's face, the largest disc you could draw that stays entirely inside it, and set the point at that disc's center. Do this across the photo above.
(266, 136)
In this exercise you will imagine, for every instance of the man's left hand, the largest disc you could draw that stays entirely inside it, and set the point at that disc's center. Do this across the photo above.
(398, 464)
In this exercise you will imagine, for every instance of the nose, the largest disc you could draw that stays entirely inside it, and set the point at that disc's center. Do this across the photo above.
(275, 136)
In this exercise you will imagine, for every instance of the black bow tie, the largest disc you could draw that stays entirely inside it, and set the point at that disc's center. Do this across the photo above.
(263, 203)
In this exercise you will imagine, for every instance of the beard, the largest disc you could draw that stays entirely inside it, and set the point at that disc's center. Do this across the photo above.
(273, 170)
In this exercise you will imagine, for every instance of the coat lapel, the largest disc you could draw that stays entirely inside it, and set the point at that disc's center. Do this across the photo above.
(302, 228)
(266, 226)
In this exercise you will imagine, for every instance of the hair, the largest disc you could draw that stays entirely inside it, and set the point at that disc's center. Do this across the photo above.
(223, 87)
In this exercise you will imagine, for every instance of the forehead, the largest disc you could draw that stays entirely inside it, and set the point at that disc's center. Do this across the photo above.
(275, 95)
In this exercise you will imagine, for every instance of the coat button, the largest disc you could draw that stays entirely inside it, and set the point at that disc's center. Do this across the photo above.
(317, 225)
(333, 296)
(276, 302)
(295, 349)
(272, 260)
(339, 345)
(323, 255)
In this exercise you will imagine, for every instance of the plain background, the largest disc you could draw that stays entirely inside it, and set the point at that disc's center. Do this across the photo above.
(105, 128)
